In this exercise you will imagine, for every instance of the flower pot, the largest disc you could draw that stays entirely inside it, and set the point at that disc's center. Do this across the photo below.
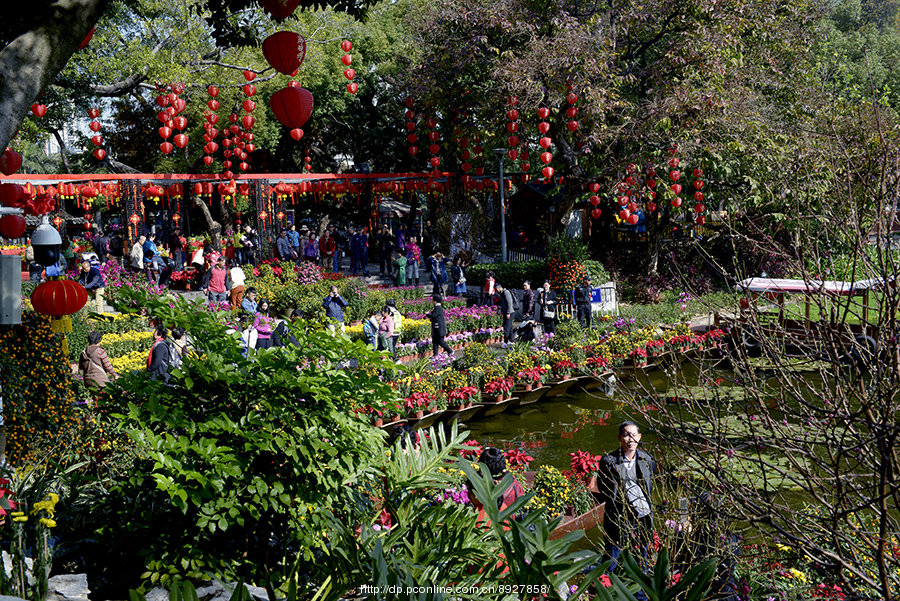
(569, 510)
(420, 414)
(396, 418)
(494, 398)
(529, 387)
(378, 421)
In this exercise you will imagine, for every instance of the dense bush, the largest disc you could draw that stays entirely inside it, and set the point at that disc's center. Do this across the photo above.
(508, 274)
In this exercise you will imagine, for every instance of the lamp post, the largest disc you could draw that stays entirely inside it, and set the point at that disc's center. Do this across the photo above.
(500, 152)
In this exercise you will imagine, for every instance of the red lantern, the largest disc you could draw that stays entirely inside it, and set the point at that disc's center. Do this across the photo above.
(624, 214)
(651, 206)
(698, 184)
(280, 9)
(349, 73)
(346, 45)
(698, 196)
(545, 142)
(548, 172)
(297, 133)
(57, 221)
(571, 98)
(594, 187)
(676, 188)
(543, 112)
(595, 200)
(546, 157)
(176, 218)
(93, 112)
(701, 220)
(59, 297)
(180, 140)
(249, 75)
(676, 202)
(10, 161)
(12, 195)
(595, 213)
(285, 51)
(247, 121)
(699, 207)
(99, 154)
(543, 127)
(38, 110)
(166, 147)
(632, 219)
(12, 226)
(249, 89)
(674, 175)
(292, 106)
(572, 125)
(347, 59)
(352, 87)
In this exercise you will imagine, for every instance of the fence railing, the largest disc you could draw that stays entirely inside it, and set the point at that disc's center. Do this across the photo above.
(604, 301)
(521, 255)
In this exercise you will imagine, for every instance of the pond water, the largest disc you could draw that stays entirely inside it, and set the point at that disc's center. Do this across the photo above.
(587, 420)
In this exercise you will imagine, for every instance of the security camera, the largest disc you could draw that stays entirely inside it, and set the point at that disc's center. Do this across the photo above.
(46, 242)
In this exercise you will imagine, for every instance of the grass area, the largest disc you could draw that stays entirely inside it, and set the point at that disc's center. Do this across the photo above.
(824, 309)
(676, 308)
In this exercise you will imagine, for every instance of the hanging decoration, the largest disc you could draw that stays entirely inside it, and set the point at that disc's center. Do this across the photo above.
(292, 106)
(38, 110)
(209, 125)
(280, 9)
(699, 208)
(96, 139)
(411, 137)
(307, 160)
(512, 128)
(434, 136)
(594, 187)
(572, 110)
(349, 72)
(545, 141)
(285, 51)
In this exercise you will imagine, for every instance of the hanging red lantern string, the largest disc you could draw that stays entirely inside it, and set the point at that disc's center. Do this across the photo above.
(349, 72)
(96, 139)
(512, 128)
(572, 110)
(434, 148)
(411, 117)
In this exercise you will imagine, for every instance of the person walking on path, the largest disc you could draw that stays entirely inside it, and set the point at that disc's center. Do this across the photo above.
(487, 291)
(215, 282)
(385, 247)
(238, 280)
(136, 256)
(397, 318)
(458, 277)
(438, 326)
(506, 312)
(334, 305)
(284, 248)
(582, 296)
(413, 261)
(527, 301)
(94, 364)
(624, 481)
(327, 248)
(294, 238)
(547, 303)
(359, 248)
(399, 269)
(311, 250)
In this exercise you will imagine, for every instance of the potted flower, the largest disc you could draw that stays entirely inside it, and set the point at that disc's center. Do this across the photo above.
(532, 376)
(460, 398)
(417, 403)
(639, 356)
(498, 389)
(517, 459)
(654, 348)
(563, 368)
(596, 364)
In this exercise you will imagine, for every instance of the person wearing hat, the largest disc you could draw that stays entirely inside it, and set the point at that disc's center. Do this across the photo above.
(582, 296)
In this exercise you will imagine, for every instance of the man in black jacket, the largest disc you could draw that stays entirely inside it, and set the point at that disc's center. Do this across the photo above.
(506, 311)
(438, 326)
(624, 481)
(527, 301)
(583, 302)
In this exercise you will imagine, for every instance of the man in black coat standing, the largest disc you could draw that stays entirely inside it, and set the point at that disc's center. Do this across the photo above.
(624, 481)
(506, 311)
(527, 301)
(583, 302)
(438, 325)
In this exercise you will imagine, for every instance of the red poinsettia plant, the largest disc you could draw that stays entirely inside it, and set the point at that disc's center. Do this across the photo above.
(461, 395)
(472, 450)
(516, 458)
(583, 463)
(499, 386)
(418, 401)
(596, 361)
(534, 374)
(638, 354)
(564, 366)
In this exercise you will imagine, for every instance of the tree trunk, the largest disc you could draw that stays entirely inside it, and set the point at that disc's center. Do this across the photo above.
(63, 151)
(214, 227)
(40, 50)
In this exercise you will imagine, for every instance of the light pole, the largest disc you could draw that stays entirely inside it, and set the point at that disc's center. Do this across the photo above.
(500, 152)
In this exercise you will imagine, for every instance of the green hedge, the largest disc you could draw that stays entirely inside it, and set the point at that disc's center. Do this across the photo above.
(510, 275)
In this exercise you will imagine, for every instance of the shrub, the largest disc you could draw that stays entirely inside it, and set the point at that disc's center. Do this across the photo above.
(508, 274)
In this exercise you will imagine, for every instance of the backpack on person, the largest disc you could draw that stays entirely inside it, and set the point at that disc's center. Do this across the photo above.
(174, 361)
(516, 303)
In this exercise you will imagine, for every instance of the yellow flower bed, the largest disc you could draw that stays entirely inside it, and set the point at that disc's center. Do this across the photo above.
(133, 336)
(133, 361)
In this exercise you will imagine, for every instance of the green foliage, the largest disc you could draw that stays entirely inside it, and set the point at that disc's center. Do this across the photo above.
(692, 586)
(477, 354)
(564, 248)
(596, 271)
(237, 449)
(509, 274)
